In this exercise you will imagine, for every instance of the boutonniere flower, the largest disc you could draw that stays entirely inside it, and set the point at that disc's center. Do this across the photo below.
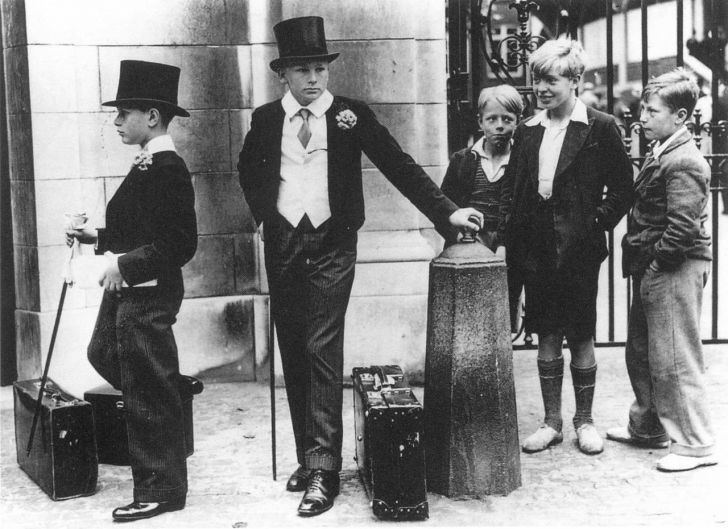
(346, 119)
(143, 160)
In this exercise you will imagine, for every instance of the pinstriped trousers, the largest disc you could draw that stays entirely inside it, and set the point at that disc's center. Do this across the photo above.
(310, 279)
(133, 348)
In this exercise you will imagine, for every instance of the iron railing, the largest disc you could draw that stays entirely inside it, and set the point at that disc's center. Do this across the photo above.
(510, 54)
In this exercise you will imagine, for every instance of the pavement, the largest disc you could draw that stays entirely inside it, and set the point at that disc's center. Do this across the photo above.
(230, 483)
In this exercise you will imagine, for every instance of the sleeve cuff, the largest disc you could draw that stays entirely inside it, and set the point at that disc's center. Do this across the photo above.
(100, 246)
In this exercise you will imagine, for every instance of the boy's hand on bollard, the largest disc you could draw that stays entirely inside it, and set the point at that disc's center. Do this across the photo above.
(467, 218)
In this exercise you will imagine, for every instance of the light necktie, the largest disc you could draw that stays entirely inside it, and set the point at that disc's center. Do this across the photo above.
(304, 133)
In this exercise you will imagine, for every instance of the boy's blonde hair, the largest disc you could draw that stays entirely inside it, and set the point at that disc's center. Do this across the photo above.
(504, 94)
(562, 56)
(676, 88)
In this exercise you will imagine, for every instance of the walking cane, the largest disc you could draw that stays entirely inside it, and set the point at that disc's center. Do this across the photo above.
(271, 377)
(44, 378)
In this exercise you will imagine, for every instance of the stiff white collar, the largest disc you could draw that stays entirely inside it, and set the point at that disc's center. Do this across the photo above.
(659, 148)
(318, 107)
(159, 144)
(578, 113)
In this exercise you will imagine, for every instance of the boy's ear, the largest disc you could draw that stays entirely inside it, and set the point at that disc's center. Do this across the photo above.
(153, 117)
(682, 114)
(282, 76)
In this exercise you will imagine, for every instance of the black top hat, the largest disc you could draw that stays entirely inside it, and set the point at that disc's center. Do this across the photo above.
(148, 83)
(301, 39)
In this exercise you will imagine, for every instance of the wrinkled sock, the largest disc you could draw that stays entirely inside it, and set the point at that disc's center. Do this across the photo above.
(551, 375)
(584, 380)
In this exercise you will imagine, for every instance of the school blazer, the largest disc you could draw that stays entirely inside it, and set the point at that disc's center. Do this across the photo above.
(667, 222)
(151, 220)
(592, 160)
(260, 166)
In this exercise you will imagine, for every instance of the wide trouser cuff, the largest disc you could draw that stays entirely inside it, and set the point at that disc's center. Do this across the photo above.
(323, 462)
(160, 495)
(691, 451)
(647, 437)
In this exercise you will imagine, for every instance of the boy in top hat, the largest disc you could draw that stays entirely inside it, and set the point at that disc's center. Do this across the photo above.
(300, 170)
(666, 251)
(151, 231)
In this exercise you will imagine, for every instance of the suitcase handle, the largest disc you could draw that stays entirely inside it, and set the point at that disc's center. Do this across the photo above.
(387, 377)
(52, 392)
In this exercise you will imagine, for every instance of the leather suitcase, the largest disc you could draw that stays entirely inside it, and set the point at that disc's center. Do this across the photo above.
(388, 424)
(62, 459)
(111, 436)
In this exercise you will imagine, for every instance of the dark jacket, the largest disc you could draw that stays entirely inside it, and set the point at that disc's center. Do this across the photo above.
(151, 220)
(667, 222)
(592, 158)
(458, 185)
(260, 166)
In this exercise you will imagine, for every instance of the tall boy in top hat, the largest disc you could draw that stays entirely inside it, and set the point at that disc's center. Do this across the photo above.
(151, 231)
(300, 170)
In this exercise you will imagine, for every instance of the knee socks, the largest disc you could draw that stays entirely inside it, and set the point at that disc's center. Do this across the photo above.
(551, 375)
(584, 379)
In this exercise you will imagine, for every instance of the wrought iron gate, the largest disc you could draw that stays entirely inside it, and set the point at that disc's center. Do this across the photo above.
(490, 42)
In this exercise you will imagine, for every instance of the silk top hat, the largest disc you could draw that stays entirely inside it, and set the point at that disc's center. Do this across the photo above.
(149, 83)
(301, 40)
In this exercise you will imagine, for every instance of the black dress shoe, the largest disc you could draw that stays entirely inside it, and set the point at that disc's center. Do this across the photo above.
(322, 488)
(140, 510)
(299, 480)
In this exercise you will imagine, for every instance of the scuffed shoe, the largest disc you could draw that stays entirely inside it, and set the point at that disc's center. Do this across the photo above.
(622, 434)
(678, 463)
(590, 442)
(541, 439)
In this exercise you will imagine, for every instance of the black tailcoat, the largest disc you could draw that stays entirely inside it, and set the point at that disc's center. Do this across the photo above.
(310, 273)
(151, 220)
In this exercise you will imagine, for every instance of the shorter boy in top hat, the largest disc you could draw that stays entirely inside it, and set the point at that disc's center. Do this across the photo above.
(151, 232)
(666, 252)
(300, 170)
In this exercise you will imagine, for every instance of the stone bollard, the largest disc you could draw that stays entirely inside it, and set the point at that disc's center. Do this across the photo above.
(471, 428)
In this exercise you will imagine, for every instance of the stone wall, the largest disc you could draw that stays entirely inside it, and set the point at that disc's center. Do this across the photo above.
(62, 59)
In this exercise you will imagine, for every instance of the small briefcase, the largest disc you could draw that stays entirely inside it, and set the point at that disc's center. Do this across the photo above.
(62, 458)
(388, 424)
(111, 434)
